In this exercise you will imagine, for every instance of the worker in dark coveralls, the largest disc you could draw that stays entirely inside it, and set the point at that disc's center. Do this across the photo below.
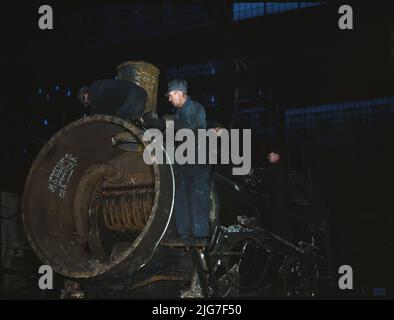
(277, 180)
(119, 98)
(192, 180)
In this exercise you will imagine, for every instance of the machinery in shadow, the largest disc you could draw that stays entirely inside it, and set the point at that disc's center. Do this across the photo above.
(250, 259)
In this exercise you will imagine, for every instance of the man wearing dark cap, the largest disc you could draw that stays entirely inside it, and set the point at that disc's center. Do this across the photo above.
(189, 114)
(192, 180)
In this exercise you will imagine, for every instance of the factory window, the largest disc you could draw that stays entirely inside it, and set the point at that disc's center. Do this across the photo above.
(332, 123)
(252, 97)
(194, 70)
(252, 111)
(247, 10)
(208, 99)
(260, 119)
(320, 125)
(51, 93)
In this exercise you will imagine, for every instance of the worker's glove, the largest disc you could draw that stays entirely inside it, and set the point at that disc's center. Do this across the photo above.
(149, 121)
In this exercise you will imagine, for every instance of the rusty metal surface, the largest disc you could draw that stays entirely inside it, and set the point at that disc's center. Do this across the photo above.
(79, 180)
(157, 278)
(125, 209)
(146, 76)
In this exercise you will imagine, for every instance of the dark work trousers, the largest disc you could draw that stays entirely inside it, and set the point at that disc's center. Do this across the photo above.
(192, 190)
(283, 225)
(277, 178)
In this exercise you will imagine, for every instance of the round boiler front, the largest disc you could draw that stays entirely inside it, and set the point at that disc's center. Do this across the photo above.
(91, 205)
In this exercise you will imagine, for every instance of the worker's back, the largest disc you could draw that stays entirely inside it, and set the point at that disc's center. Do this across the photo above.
(118, 98)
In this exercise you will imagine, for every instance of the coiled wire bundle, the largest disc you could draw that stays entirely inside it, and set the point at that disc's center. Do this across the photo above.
(125, 208)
